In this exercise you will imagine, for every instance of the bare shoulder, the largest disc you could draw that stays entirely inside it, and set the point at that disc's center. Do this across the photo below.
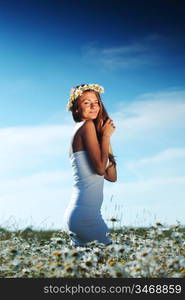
(88, 125)
(88, 132)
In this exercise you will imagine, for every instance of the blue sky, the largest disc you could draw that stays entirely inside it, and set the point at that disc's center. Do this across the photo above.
(135, 49)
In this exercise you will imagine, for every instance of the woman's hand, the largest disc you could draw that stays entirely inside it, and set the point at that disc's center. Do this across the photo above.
(108, 128)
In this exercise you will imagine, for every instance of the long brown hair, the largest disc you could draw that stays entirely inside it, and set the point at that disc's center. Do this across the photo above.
(102, 115)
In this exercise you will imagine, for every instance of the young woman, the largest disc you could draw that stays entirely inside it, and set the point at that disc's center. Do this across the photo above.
(92, 161)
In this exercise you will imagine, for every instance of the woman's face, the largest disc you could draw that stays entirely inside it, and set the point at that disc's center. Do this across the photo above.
(88, 105)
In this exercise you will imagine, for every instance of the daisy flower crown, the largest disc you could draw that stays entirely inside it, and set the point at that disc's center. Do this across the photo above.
(76, 92)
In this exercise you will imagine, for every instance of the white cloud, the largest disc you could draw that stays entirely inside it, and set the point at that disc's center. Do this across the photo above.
(131, 55)
(37, 198)
(36, 180)
(29, 147)
(151, 115)
(165, 156)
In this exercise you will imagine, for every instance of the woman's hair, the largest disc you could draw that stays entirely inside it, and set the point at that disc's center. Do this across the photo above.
(102, 115)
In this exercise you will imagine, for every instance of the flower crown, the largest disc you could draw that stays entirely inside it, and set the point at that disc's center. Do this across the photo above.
(76, 92)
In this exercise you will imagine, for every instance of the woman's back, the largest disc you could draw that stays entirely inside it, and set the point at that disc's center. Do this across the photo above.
(85, 180)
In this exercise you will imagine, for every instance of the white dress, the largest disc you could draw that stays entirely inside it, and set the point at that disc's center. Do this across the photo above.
(82, 218)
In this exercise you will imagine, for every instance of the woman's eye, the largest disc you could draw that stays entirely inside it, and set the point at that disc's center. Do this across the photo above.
(96, 103)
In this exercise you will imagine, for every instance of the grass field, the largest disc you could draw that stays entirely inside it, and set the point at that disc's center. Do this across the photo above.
(156, 251)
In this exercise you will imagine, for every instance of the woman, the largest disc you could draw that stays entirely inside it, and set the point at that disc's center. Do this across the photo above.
(92, 161)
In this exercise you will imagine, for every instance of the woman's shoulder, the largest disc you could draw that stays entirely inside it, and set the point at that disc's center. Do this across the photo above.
(88, 123)
(88, 126)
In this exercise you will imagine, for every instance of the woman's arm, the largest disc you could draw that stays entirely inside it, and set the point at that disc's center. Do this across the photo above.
(98, 153)
(111, 171)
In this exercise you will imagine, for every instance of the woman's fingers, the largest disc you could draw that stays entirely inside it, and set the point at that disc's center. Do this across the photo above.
(109, 122)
